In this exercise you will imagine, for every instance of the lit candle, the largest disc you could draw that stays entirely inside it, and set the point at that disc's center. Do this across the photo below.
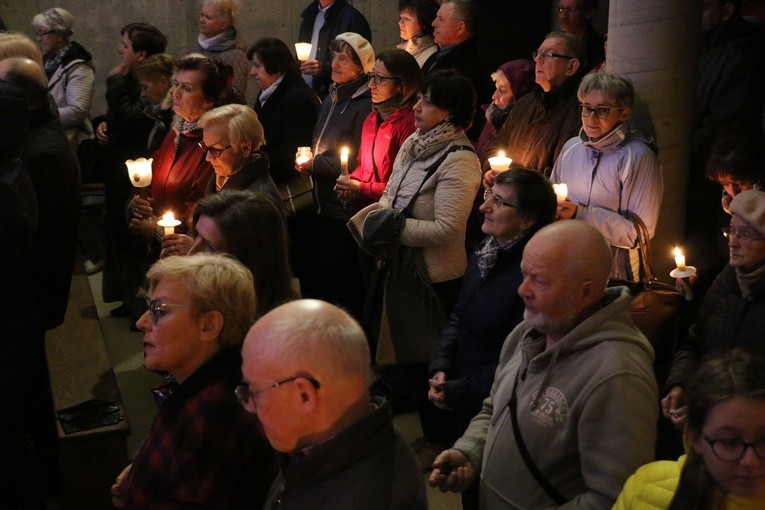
(139, 171)
(344, 162)
(303, 155)
(303, 50)
(561, 191)
(500, 162)
(168, 222)
(679, 259)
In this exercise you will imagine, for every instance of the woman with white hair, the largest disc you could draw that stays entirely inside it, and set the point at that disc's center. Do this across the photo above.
(70, 71)
(217, 39)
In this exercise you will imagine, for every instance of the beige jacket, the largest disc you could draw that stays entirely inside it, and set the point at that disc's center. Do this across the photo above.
(441, 210)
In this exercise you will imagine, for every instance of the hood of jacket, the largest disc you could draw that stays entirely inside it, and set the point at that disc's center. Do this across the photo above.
(609, 323)
(77, 53)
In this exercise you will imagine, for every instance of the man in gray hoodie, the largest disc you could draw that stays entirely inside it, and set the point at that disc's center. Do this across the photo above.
(577, 375)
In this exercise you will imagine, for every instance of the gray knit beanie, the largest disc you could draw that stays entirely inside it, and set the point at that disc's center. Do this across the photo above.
(56, 19)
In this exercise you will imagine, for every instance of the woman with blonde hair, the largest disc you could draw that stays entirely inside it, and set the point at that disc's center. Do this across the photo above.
(14, 44)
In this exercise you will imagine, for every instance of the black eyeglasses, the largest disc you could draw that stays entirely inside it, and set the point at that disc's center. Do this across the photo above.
(743, 236)
(731, 450)
(43, 34)
(378, 78)
(543, 55)
(600, 112)
(496, 200)
(157, 309)
(244, 395)
(567, 10)
(214, 151)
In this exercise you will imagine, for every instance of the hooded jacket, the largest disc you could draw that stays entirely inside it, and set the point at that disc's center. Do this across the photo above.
(71, 86)
(586, 410)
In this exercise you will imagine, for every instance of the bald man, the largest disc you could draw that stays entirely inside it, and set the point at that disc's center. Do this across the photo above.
(305, 366)
(578, 375)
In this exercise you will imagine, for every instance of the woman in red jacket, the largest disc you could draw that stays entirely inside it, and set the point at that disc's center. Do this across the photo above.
(394, 82)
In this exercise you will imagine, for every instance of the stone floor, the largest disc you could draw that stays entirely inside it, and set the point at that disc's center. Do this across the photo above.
(125, 350)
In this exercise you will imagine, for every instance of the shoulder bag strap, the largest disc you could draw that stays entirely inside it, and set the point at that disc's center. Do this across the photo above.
(644, 247)
(530, 464)
(431, 170)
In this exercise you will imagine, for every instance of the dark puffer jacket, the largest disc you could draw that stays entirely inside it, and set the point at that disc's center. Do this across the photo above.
(726, 320)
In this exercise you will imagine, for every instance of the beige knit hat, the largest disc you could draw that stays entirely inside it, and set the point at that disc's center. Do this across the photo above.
(56, 19)
(362, 48)
(750, 205)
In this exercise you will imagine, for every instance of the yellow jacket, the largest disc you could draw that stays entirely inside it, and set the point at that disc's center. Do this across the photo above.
(653, 486)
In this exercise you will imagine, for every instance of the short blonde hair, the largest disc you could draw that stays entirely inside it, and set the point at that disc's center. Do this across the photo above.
(155, 67)
(15, 44)
(215, 282)
(228, 8)
(243, 124)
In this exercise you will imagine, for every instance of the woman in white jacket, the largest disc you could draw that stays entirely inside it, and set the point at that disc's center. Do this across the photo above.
(610, 170)
(70, 71)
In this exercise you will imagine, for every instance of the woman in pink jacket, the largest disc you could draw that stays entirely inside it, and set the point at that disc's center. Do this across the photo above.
(394, 82)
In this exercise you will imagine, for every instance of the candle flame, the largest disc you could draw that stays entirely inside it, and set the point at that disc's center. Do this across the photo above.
(501, 154)
(344, 151)
(677, 252)
(168, 216)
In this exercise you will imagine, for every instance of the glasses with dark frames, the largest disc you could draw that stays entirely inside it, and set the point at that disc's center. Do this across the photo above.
(731, 450)
(600, 112)
(378, 79)
(214, 151)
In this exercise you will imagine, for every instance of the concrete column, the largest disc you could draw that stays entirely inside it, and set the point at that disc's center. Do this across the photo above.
(655, 43)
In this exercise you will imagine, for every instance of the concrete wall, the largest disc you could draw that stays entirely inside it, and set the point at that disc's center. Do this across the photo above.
(98, 23)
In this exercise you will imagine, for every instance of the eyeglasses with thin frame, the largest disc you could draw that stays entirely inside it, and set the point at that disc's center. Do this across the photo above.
(43, 34)
(731, 450)
(157, 309)
(378, 79)
(600, 112)
(214, 151)
(244, 395)
(496, 200)
(567, 10)
(744, 237)
(544, 55)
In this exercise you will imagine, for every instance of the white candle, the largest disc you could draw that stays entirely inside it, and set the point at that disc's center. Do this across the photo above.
(168, 222)
(303, 50)
(561, 191)
(139, 171)
(679, 259)
(303, 155)
(500, 162)
(344, 162)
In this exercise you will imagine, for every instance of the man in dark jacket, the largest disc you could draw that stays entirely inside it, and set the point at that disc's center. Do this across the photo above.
(542, 121)
(305, 366)
(52, 165)
(321, 22)
(575, 17)
(454, 27)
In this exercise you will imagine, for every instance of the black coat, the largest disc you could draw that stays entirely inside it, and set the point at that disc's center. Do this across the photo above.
(52, 165)
(288, 118)
(253, 177)
(341, 17)
(487, 311)
(726, 320)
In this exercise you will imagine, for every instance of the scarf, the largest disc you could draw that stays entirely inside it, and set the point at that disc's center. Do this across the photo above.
(183, 127)
(747, 279)
(486, 255)
(421, 140)
(497, 115)
(52, 62)
(385, 108)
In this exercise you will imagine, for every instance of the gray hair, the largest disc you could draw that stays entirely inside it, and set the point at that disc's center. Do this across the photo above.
(243, 124)
(465, 11)
(616, 87)
(574, 45)
(56, 19)
(228, 8)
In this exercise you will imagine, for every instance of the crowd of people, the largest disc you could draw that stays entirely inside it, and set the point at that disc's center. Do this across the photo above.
(378, 234)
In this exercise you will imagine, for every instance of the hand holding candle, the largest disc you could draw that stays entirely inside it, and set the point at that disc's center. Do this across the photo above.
(500, 162)
(303, 158)
(168, 222)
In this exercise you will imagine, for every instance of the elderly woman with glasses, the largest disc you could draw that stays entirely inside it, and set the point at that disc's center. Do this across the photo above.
(610, 170)
(462, 367)
(203, 449)
(731, 315)
(725, 462)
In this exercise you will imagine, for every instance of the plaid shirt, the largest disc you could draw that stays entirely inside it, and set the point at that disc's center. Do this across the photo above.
(203, 450)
